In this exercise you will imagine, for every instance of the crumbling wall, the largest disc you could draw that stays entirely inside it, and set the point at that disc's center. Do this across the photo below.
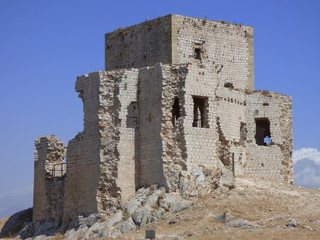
(119, 131)
(83, 156)
(227, 47)
(150, 117)
(271, 161)
(128, 146)
(174, 153)
(231, 127)
(48, 197)
(102, 167)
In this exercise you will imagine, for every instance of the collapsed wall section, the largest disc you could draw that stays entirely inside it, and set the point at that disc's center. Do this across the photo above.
(269, 138)
(49, 176)
(102, 159)
(231, 121)
(83, 153)
(174, 152)
(119, 131)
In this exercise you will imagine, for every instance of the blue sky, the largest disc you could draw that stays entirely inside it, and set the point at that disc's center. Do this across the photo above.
(45, 44)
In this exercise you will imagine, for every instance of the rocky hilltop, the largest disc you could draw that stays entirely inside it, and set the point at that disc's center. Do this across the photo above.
(254, 209)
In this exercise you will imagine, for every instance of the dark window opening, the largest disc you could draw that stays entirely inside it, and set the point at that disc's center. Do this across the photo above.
(132, 115)
(263, 135)
(197, 53)
(175, 111)
(228, 85)
(200, 112)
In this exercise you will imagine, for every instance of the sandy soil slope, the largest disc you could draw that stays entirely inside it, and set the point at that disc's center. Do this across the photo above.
(257, 210)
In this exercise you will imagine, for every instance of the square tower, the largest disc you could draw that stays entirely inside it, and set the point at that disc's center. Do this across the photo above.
(175, 39)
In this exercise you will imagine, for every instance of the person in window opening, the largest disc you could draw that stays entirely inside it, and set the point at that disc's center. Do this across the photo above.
(267, 140)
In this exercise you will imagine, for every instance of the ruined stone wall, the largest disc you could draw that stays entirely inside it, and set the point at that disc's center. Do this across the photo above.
(83, 159)
(201, 142)
(174, 152)
(150, 116)
(128, 146)
(227, 47)
(140, 45)
(175, 108)
(231, 125)
(55, 195)
(119, 130)
(272, 161)
(102, 158)
(48, 190)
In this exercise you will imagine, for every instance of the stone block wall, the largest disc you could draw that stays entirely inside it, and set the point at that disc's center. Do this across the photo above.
(173, 39)
(150, 116)
(128, 146)
(144, 44)
(174, 154)
(83, 159)
(272, 161)
(48, 191)
(201, 141)
(227, 47)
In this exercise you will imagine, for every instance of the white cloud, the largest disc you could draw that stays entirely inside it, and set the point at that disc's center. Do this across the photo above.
(306, 153)
(307, 177)
(307, 167)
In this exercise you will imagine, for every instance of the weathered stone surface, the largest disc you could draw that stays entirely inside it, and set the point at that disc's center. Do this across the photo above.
(127, 226)
(223, 218)
(241, 223)
(141, 216)
(174, 203)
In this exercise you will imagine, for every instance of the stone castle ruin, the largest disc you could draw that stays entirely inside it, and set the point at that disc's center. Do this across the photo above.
(177, 95)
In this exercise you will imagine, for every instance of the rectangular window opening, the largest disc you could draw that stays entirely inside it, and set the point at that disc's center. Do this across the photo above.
(175, 111)
(197, 53)
(263, 135)
(200, 112)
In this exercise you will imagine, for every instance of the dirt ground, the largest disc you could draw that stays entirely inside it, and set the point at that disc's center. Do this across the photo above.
(276, 211)
(2, 222)
(268, 210)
